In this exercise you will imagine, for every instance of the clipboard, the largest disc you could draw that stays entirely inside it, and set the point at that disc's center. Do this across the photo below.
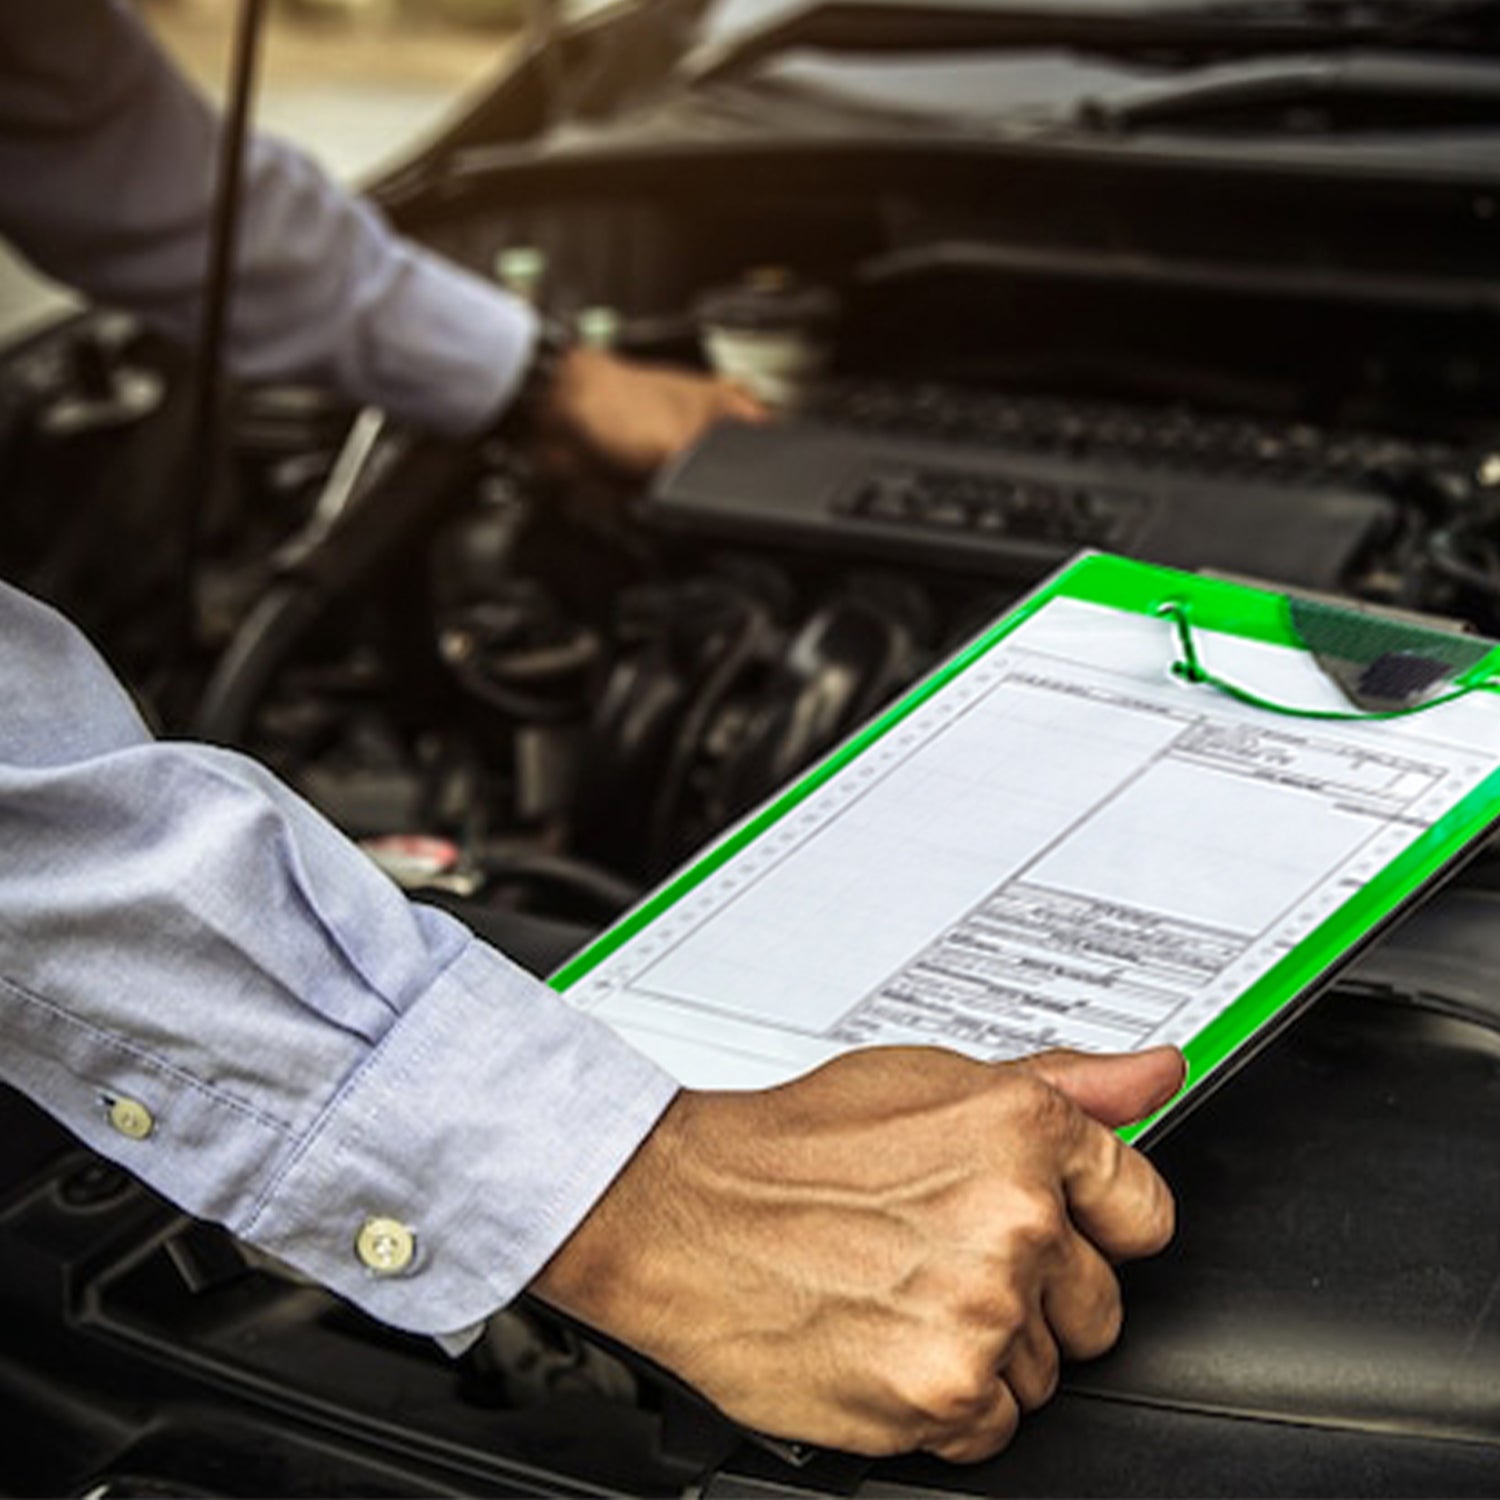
(1385, 738)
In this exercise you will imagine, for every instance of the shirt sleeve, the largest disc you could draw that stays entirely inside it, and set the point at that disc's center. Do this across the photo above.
(108, 159)
(211, 986)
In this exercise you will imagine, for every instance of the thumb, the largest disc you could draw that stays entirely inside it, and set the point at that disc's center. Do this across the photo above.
(736, 401)
(1114, 1088)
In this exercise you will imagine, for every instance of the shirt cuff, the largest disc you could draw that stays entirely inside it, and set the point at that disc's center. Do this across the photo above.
(450, 350)
(460, 1155)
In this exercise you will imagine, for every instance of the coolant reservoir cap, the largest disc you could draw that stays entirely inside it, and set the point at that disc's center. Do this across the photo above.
(770, 299)
(413, 860)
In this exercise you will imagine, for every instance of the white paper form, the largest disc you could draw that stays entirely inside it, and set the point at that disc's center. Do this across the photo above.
(1065, 846)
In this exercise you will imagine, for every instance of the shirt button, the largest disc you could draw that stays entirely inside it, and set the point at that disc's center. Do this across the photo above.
(131, 1118)
(386, 1246)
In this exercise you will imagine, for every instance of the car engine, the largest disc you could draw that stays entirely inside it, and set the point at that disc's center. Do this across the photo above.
(543, 691)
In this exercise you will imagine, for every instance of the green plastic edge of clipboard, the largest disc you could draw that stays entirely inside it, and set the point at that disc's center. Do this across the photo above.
(1137, 588)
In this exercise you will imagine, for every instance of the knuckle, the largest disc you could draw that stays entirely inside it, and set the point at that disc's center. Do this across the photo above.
(974, 1299)
(983, 1439)
(974, 1448)
(1036, 1225)
(1111, 1321)
(1032, 1374)
(1100, 1331)
(1039, 1385)
(997, 1313)
(949, 1393)
(1163, 1221)
(1112, 1156)
(1148, 1211)
(1034, 1097)
(1051, 1374)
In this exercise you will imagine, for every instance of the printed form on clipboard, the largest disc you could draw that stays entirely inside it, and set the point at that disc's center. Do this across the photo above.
(1057, 841)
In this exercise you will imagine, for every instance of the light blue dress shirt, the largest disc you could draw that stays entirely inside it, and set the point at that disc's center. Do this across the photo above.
(108, 158)
(198, 974)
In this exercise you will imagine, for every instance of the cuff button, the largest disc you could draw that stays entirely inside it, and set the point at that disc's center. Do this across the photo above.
(386, 1246)
(131, 1118)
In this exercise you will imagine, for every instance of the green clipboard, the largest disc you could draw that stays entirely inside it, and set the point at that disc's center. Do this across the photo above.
(1431, 668)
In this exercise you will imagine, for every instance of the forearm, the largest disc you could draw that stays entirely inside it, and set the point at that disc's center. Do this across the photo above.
(108, 160)
(312, 1051)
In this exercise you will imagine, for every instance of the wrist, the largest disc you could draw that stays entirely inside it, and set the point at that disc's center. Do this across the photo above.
(613, 1271)
(532, 409)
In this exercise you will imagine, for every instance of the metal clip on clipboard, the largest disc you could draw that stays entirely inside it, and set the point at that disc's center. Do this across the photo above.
(1385, 665)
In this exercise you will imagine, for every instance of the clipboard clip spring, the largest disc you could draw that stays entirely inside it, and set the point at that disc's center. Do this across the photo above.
(1189, 667)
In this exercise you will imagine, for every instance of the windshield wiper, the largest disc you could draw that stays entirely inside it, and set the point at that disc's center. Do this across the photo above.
(1388, 89)
(1167, 35)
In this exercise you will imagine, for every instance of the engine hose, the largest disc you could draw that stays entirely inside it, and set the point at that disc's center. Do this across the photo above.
(414, 482)
(753, 633)
(607, 893)
(267, 636)
(1444, 557)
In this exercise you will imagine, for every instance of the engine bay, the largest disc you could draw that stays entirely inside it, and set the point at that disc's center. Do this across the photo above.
(566, 687)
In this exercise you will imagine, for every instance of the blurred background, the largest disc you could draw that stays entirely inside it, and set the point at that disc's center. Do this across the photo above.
(356, 82)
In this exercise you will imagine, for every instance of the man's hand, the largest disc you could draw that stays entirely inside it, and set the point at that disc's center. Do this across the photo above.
(890, 1253)
(631, 418)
